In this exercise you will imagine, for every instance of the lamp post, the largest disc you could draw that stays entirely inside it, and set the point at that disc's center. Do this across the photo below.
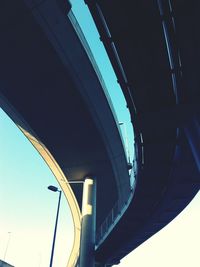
(54, 189)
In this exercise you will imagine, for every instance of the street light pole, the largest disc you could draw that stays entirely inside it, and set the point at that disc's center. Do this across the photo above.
(55, 189)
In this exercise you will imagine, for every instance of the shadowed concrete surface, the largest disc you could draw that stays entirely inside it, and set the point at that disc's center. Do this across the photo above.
(52, 99)
(55, 92)
(51, 88)
(154, 49)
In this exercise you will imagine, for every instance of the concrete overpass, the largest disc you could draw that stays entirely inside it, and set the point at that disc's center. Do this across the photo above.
(51, 88)
(154, 49)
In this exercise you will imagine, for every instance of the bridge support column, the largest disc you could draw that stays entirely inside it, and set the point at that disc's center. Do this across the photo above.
(88, 226)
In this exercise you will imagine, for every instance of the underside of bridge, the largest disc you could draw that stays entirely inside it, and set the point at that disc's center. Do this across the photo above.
(154, 49)
(51, 88)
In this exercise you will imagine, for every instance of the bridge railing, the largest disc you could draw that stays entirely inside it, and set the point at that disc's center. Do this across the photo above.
(117, 211)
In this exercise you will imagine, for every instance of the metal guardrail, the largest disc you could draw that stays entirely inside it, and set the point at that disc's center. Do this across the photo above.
(116, 213)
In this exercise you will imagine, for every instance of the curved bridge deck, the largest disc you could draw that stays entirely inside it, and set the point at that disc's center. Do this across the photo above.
(52, 89)
(154, 49)
(62, 104)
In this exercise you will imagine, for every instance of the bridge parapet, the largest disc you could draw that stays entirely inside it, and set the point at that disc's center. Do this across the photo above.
(115, 214)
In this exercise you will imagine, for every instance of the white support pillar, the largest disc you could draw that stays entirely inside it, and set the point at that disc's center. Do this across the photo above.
(88, 226)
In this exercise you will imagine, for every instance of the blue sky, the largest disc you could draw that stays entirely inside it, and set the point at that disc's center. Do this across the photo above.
(28, 209)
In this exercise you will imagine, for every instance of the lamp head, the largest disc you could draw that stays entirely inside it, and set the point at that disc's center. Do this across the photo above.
(53, 188)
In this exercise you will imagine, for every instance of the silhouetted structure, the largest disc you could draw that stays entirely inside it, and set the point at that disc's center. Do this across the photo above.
(52, 89)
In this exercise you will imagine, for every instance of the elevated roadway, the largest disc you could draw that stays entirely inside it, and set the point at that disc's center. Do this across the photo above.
(154, 49)
(51, 88)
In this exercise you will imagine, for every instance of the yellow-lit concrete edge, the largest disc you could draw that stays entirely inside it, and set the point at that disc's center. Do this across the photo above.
(66, 188)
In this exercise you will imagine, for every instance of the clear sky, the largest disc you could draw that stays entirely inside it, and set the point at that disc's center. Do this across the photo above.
(28, 209)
